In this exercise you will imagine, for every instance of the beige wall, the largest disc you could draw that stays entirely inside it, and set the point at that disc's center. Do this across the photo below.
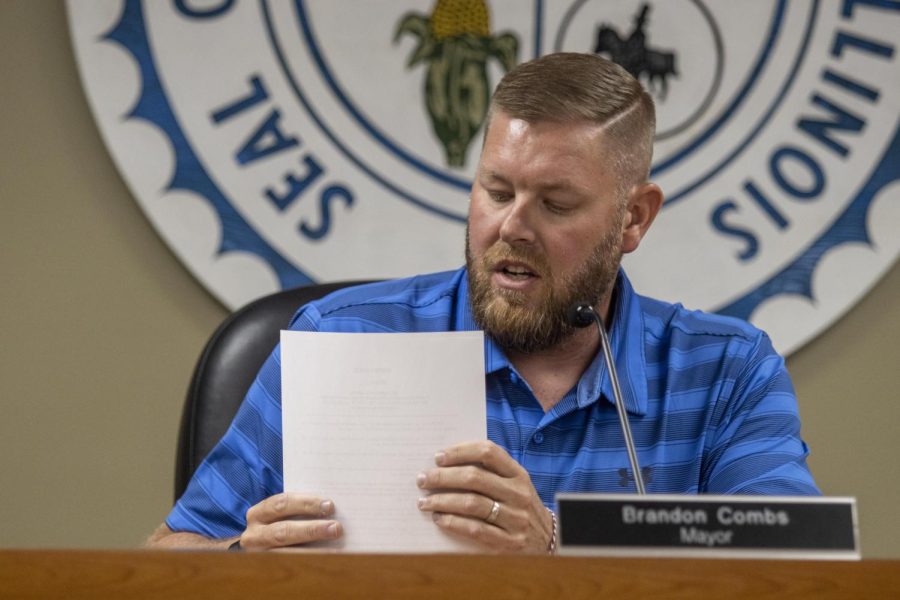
(101, 324)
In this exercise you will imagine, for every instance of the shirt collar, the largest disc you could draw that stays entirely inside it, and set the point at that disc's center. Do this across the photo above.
(626, 337)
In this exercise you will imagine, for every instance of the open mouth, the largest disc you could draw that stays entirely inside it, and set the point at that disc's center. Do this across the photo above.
(515, 271)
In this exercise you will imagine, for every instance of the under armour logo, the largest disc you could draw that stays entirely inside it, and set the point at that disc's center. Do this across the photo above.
(625, 478)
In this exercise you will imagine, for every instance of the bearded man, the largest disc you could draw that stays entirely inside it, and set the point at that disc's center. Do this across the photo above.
(561, 193)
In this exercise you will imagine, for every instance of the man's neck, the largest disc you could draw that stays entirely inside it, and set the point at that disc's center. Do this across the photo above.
(551, 373)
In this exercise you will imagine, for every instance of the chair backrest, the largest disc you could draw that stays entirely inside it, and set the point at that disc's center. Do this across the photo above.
(227, 367)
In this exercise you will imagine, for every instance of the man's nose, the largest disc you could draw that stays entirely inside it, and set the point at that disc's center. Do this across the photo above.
(517, 225)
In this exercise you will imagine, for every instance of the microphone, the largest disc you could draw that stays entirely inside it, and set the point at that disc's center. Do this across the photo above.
(582, 314)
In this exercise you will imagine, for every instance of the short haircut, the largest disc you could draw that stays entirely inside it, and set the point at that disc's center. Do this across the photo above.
(571, 87)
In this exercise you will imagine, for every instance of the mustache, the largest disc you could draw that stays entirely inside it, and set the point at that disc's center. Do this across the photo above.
(502, 251)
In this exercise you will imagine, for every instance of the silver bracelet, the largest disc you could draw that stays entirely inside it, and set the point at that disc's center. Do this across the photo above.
(551, 549)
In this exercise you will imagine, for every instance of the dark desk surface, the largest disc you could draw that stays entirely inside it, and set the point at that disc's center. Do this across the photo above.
(74, 574)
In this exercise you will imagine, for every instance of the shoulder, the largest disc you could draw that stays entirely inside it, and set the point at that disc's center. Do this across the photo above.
(695, 328)
(692, 346)
(420, 303)
(723, 363)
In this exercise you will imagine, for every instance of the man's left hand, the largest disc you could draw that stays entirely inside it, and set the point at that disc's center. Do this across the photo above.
(468, 480)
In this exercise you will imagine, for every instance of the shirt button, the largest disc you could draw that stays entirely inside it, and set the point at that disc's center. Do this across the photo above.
(538, 438)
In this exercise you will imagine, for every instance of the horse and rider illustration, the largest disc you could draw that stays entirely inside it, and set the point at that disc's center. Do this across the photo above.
(633, 54)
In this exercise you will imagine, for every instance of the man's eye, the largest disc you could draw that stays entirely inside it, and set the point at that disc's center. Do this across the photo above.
(557, 209)
(500, 196)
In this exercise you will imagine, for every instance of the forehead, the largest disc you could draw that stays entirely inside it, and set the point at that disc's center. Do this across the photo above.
(552, 153)
(503, 126)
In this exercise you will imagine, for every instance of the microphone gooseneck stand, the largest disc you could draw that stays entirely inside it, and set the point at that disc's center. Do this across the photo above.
(583, 314)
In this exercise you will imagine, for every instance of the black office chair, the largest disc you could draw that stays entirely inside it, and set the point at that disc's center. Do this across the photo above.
(227, 367)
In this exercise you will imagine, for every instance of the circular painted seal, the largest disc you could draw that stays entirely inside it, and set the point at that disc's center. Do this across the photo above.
(276, 143)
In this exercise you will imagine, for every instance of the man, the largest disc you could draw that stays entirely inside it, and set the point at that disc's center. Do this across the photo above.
(560, 194)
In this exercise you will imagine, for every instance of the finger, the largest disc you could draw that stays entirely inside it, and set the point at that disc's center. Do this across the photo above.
(289, 504)
(475, 529)
(289, 533)
(468, 478)
(467, 505)
(484, 453)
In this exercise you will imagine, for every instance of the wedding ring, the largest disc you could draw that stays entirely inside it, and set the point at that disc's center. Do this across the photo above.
(495, 510)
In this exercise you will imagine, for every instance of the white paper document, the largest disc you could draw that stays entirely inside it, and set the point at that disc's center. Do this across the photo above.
(364, 413)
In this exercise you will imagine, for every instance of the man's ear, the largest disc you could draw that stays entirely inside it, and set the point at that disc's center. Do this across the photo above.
(644, 203)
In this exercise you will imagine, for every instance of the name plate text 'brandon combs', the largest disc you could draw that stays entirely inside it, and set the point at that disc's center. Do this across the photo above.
(698, 528)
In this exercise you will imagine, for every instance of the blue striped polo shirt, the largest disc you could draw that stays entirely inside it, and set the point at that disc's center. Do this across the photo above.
(711, 406)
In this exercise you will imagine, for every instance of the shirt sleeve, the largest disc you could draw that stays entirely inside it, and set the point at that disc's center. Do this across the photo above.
(245, 467)
(757, 448)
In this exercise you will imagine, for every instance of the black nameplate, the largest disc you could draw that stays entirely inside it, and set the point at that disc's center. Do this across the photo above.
(725, 526)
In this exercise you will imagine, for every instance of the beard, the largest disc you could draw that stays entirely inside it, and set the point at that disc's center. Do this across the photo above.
(505, 315)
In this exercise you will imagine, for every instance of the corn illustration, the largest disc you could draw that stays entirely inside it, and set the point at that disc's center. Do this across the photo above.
(456, 43)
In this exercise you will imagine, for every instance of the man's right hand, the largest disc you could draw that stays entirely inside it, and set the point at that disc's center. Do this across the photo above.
(287, 519)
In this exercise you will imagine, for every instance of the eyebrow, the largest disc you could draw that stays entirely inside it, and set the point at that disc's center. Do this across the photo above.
(562, 185)
(492, 175)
